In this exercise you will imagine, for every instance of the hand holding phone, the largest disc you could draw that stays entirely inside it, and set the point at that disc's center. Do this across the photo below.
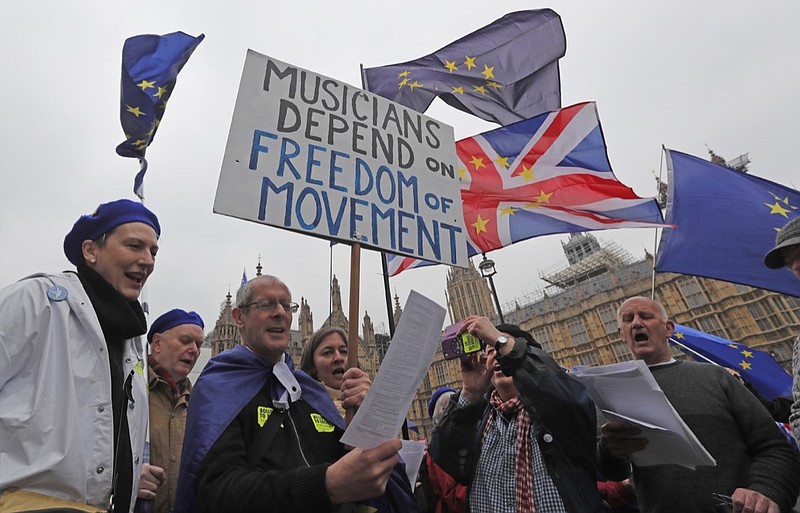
(455, 345)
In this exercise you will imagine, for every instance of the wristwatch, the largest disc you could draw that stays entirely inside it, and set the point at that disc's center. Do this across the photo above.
(500, 342)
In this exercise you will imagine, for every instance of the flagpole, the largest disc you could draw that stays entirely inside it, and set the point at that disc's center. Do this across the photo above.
(655, 233)
(693, 351)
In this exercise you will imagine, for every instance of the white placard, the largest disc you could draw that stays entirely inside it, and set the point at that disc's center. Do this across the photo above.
(312, 154)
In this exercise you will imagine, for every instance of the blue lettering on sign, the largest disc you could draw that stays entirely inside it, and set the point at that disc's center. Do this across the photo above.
(312, 162)
(266, 186)
(363, 167)
(257, 147)
(432, 201)
(298, 209)
(432, 238)
(333, 224)
(378, 214)
(286, 156)
(384, 171)
(402, 228)
(410, 182)
(452, 230)
(336, 169)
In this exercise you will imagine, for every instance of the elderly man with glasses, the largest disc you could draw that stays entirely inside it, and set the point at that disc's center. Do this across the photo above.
(263, 436)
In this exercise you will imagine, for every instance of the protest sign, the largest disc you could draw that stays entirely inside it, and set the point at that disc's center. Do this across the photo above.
(312, 154)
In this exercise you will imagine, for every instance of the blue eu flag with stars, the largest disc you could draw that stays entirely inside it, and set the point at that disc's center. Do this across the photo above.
(756, 367)
(150, 67)
(725, 222)
(504, 72)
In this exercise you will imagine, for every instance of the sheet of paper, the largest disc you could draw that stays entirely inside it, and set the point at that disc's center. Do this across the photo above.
(628, 391)
(412, 453)
(410, 353)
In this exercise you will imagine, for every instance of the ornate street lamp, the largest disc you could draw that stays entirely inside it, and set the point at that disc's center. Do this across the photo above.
(487, 271)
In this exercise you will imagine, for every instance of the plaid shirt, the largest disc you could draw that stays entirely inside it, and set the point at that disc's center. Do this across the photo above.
(493, 487)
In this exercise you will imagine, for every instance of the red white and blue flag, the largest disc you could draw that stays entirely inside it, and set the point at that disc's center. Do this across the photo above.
(548, 174)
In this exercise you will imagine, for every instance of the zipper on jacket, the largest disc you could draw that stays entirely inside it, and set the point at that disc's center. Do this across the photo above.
(297, 437)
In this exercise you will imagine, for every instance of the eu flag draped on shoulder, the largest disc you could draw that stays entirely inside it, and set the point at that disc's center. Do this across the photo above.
(726, 221)
(549, 174)
(150, 67)
(756, 367)
(504, 72)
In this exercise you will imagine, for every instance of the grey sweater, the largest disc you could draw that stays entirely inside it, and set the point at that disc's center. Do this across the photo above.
(751, 452)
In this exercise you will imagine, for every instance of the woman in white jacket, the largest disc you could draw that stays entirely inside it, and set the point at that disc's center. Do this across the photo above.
(73, 401)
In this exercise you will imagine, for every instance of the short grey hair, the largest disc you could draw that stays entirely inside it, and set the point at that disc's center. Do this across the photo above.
(245, 293)
(661, 309)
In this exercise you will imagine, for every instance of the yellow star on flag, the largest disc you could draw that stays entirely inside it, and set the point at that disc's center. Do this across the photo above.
(402, 83)
(414, 84)
(543, 197)
(161, 92)
(494, 85)
(747, 354)
(134, 110)
(462, 172)
(451, 65)
(503, 161)
(527, 173)
(488, 72)
(477, 162)
(470, 62)
(459, 89)
(679, 335)
(480, 225)
(144, 84)
(507, 211)
(402, 74)
(777, 209)
(745, 365)
(733, 346)
(479, 89)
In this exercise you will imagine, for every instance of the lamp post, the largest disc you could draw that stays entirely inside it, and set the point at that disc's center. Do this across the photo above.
(487, 271)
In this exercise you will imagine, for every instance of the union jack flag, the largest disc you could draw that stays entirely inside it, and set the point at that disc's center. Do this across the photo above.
(548, 174)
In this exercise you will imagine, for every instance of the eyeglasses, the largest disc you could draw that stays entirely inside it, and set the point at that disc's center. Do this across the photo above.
(269, 306)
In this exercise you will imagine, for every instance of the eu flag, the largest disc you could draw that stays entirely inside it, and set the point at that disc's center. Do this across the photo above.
(756, 367)
(726, 221)
(150, 67)
(504, 72)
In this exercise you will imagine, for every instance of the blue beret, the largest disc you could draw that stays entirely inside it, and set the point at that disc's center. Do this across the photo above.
(435, 397)
(169, 320)
(104, 219)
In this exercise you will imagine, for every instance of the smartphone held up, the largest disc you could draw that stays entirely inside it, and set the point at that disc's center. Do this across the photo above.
(455, 345)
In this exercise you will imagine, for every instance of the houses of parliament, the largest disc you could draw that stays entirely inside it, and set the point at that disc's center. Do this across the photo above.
(574, 317)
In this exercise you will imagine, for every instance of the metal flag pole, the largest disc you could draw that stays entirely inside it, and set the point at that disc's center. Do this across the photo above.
(674, 341)
(656, 232)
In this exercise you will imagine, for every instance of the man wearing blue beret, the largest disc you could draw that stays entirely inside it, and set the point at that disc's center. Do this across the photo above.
(175, 339)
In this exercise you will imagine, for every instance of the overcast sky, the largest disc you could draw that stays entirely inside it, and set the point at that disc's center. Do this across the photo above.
(688, 75)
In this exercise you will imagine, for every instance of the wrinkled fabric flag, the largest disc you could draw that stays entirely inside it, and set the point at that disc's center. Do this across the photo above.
(756, 367)
(150, 67)
(726, 221)
(549, 174)
(504, 72)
